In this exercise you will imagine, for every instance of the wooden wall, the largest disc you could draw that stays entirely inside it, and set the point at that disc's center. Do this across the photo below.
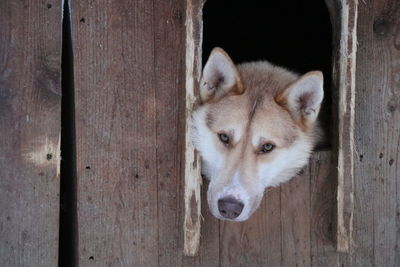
(30, 126)
(129, 67)
(376, 230)
(129, 91)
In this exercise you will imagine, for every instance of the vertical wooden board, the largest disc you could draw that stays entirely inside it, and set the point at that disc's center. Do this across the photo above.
(128, 92)
(344, 24)
(30, 121)
(256, 242)
(169, 48)
(295, 220)
(323, 208)
(129, 98)
(192, 175)
(377, 130)
(209, 250)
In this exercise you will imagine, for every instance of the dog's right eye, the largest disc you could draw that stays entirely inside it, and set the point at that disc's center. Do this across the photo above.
(224, 138)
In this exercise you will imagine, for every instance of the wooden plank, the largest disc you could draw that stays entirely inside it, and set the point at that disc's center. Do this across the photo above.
(296, 220)
(377, 127)
(192, 219)
(30, 124)
(344, 17)
(294, 225)
(209, 249)
(323, 210)
(129, 99)
(257, 241)
(169, 36)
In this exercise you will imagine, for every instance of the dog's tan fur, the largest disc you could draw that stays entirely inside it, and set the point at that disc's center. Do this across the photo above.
(254, 104)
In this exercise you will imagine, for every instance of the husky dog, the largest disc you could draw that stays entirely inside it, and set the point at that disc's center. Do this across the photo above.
(255, 128)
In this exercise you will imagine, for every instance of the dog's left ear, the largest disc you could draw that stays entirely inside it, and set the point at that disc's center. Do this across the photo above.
(220, 77)
(303, 97)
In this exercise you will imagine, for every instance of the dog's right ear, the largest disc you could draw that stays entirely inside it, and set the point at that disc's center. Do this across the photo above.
(219, 77)
(303, 97)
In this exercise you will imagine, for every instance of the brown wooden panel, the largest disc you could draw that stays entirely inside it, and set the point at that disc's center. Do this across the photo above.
(30, 123)
(293, 226)
(344, 24)
(323, 210)
(257, 241)
(209, 250)
(192, 166)
(129, 63)
(169, 40)
(295, 220)
(376, 213)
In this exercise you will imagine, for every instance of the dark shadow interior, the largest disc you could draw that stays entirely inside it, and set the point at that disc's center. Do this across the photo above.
(295, 34)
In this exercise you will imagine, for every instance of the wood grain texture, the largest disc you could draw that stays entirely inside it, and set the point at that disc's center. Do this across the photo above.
(292, 227)
(129, 96)
(376, 218)
(30, 124)
(209, 250)
(296, 220)
(323, 210)
(169, 48)
(257, 241)
(344, 24)
(192, 194)
(130, 112)
(129, 79)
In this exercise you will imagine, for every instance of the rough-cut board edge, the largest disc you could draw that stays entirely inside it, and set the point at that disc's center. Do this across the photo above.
(344, 80)
(192, 196)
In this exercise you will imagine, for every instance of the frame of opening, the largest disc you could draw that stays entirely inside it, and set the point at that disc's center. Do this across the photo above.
(343, 16)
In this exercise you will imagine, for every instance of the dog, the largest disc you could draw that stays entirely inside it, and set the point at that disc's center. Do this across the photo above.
(255, 127)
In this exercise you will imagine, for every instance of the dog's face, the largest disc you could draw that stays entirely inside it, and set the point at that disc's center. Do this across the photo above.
(255, 129)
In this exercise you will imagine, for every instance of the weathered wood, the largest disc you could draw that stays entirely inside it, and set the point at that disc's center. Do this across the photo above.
(286, 229)
(192, 219)
(30, 124)
(344, 21)
(129, 112)
(257, 241)
(209, 249)
(169, 29)
(323, 210)
(377, 130)
(295, 220)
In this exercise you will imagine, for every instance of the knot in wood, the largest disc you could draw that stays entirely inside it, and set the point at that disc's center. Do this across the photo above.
(381, 26)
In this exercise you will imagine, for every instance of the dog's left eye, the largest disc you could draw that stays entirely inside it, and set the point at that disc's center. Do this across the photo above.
(266, 148)
(224, 138)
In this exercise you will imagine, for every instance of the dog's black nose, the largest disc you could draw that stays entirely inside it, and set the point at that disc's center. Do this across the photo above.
(230, 207)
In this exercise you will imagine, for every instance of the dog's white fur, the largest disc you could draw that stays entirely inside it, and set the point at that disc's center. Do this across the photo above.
(254, 104)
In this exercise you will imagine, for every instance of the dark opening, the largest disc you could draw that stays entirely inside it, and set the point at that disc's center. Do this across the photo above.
(68, 243)
(293, 34)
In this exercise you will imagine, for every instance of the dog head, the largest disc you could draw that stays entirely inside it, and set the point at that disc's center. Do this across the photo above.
(255, 128)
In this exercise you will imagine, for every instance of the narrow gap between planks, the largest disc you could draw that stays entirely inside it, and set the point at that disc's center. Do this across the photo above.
(68, 231)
